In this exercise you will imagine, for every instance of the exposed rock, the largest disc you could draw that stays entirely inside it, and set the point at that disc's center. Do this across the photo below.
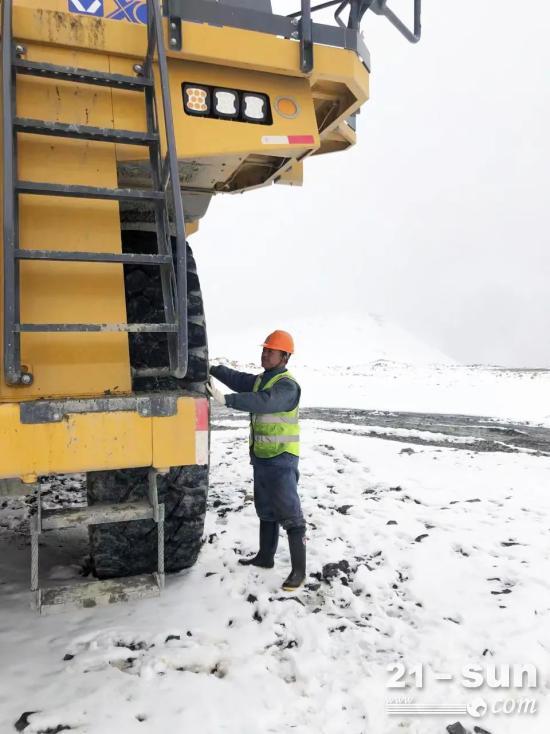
(23, 721)
(331, 570)
(172, 637)
(456, 728)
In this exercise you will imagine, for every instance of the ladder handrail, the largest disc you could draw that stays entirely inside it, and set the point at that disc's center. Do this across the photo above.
(12, 369)
(155, 36)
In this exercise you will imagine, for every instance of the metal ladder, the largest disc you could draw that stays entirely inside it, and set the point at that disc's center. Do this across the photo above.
(164, 194)
(97, 593)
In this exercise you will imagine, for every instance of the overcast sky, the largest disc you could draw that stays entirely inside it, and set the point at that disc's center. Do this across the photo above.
(438, 218)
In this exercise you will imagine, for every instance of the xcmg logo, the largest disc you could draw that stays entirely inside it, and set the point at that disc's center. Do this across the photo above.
(132, 11)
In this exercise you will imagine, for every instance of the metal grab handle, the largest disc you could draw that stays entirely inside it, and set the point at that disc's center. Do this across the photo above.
(380, 8)
(358, 8)
(306, 38)
(170, 170)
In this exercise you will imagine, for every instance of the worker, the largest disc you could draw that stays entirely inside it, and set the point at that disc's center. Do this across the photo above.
(272, 400)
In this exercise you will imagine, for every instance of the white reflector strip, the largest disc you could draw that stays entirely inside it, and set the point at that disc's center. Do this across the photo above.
(288, 139)
(201, 447)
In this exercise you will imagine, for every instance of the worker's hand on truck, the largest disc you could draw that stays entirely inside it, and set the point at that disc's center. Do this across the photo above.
(215, 394)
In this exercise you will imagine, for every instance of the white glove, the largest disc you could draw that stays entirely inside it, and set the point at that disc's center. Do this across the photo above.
(217, 395)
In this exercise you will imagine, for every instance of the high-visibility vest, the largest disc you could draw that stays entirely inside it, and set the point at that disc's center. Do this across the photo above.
(272, 434)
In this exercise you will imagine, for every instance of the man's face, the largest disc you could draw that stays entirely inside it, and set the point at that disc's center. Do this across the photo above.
(272, 358)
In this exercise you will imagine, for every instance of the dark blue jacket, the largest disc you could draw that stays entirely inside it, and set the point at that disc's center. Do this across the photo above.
(283, 396)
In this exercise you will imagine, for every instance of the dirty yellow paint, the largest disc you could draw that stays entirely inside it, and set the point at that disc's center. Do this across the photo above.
(95, 441)
(174, 437)
(74, 365)
(57, 292)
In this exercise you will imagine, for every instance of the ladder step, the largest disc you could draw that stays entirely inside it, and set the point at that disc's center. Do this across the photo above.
(100, 257)
(128, 328)
(83, 132)
(96, 515)
(84, 76)
(96, 593)
(87, 192)
(151, 372)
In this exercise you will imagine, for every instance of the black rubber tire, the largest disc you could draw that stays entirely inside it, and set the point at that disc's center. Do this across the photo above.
(125, 549)
(144, 304)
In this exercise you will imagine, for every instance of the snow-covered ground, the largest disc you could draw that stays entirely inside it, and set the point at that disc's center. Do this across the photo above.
(519, 395)
(424, 551)
(417, 555)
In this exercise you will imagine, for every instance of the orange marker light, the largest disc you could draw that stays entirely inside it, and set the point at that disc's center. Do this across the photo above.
(196, 99)
(286, 107)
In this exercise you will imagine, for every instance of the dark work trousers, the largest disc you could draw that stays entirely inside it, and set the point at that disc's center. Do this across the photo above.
(276, 491)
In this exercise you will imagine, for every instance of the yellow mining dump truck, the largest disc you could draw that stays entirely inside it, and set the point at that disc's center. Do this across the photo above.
(120, 121)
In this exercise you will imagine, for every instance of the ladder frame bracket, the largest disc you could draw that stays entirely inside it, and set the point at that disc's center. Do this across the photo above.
(175, 40)
(54, 411)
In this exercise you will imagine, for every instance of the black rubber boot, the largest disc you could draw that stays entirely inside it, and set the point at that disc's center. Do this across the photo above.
(297, 546)
(269, 539)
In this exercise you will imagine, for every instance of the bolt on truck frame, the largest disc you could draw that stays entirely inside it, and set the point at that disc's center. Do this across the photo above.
(115, 137)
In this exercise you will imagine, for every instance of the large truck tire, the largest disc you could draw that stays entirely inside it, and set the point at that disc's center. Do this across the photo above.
(144, 304)
(130, 548)
(125, 549)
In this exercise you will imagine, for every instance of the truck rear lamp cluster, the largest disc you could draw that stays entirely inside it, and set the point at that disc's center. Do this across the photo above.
(228, 104)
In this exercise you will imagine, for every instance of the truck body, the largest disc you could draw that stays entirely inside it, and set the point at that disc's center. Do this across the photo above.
(105, 364)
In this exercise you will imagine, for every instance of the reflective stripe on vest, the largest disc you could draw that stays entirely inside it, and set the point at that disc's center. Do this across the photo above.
(272, 434)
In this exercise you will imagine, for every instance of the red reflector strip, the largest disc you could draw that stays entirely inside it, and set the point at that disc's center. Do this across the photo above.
(301, 139)
(201, 414)
(288, 140)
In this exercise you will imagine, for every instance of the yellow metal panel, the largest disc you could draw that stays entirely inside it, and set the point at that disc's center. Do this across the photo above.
(174, 437)
(292, 176)
(48, 21)
(54, 292)
(191, 227)
(240, 48)
(96, 441)
(225, 46)
(93, 363)
(337, 139)
(80, 442)
(199, 136)
(223, 52)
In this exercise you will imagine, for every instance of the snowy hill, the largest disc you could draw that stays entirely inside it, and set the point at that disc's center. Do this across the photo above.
(374, 364)
(333, 341)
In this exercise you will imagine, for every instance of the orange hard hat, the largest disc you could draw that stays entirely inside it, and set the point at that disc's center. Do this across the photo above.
(280, 340)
